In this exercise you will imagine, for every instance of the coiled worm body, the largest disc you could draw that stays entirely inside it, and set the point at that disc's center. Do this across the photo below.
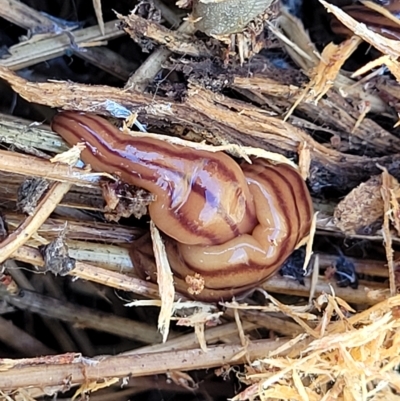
(232, 225)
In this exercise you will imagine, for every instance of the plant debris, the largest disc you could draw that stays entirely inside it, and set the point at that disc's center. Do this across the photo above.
(255, 84)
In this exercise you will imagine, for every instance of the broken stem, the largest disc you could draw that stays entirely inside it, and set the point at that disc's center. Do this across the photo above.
(32, 223)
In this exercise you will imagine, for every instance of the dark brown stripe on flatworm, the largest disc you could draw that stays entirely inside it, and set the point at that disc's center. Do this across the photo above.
(302, 201)
(260, 270)
(181, 152)
(299, 193)
(267, 175)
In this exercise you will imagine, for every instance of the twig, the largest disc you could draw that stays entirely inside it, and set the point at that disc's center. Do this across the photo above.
(24, 16)
(327, 110)
(21, 341)
(381, 43)
(104, 58)
(76, 369)
(79, 198)
(80, 336)
(148, 70)
(386, 190)
(33, 166)
(95, 274)
(168, 14)
(84, 317)
(190, 341)
(165, 282)
(176, 41)
(108, 60)
(150, 67)
(99, 15)
(116, 280)
(55, 327)
(364, 295)
(29, 53)
(267, 321)
(28, 134)
(81, 230)
(369, 267)
(42, 211)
